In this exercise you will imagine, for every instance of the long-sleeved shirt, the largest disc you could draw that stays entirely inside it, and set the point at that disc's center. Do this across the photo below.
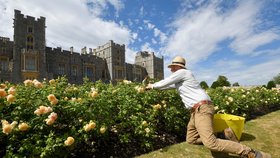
(188, 87)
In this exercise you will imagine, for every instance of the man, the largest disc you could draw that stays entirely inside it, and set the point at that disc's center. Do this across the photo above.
(200, 126)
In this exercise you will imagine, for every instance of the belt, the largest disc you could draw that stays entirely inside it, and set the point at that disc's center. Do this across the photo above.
(200, 103)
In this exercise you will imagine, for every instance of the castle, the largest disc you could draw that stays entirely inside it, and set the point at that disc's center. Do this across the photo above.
(28, 57)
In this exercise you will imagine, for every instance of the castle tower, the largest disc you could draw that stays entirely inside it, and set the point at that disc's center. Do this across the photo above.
(114, 54)
(153, 64)
(29, 59)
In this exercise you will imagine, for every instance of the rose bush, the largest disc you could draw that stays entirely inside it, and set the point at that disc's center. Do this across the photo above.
(57, 119)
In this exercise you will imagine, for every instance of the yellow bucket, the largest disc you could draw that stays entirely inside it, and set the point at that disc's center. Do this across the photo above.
(223, 121)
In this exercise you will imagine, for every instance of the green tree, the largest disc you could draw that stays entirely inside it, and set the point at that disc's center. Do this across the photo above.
(276, 79)
(236, 84)
(204, 85)
(270, 85)
(215, 84)
(221, 81)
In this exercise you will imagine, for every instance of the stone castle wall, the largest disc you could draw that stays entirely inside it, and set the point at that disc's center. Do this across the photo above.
(27, 57)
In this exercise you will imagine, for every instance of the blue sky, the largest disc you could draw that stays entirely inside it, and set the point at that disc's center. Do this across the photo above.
(239, 39)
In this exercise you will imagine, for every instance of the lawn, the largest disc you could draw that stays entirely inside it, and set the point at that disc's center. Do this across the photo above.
(262, 133)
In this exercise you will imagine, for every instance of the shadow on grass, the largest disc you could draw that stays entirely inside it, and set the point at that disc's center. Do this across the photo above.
(247, 137)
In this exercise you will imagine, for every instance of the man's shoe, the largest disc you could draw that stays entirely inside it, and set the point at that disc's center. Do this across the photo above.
(258, 154)
(229, 135)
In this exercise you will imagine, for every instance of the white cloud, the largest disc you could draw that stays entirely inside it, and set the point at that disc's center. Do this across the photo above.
(161, 35)
(99, 7)
(268, 52)
(258, 74)
(229, 65)
(134, 35)
(151, 26)
(130, 55)
(141, 11)
(147, 47)
(118, 5)
(247, 45)
(197, 33)
(238, 71)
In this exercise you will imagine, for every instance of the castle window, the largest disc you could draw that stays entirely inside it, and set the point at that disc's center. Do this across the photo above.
(74, 71)
(30, 29)
(29, 42)
(30, 63)
(88, 71)
(61, 69)
(30, 39)
(4, 64)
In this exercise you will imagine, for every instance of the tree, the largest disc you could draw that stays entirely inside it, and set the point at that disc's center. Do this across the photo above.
(276, 79)
(270, 85)
(236, 84)
(221, 81)
(215, 84)
(204, 85)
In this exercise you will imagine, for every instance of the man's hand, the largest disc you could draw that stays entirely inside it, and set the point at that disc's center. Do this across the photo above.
(149, 86)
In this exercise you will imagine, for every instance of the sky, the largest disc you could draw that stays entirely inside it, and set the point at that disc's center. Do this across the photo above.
(238, 39)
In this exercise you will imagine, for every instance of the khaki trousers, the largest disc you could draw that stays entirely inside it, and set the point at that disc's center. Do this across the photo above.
(200, 130)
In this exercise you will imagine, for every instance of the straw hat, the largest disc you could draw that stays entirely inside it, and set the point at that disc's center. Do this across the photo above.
(179, 61)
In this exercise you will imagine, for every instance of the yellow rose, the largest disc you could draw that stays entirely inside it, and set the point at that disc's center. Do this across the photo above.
(54, 102)
(52, 81)
(126, 82)
(3, 86)
(157, 106)
(12, 91)
(28, 82)
(4, 122)
(94, 94)
(147, 130)
(144, 123)
(49, 121)
(11, 98)
(87, 128)
(23, 127)
(42, 110)
(2, 93)
(38, 84)
(102, 130)
(7, 129)
(51, 97)
(141, 90)
(69, 141)
(92, 125)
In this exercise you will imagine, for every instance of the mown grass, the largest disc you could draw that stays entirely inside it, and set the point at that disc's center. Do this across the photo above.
(262, 133)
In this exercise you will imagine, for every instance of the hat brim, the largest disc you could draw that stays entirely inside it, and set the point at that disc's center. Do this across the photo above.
(174, 64)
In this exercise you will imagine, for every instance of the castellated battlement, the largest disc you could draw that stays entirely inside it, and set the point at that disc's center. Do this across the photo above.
(30, 18)
(111, 43)
(4, 39)
(70, 51)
